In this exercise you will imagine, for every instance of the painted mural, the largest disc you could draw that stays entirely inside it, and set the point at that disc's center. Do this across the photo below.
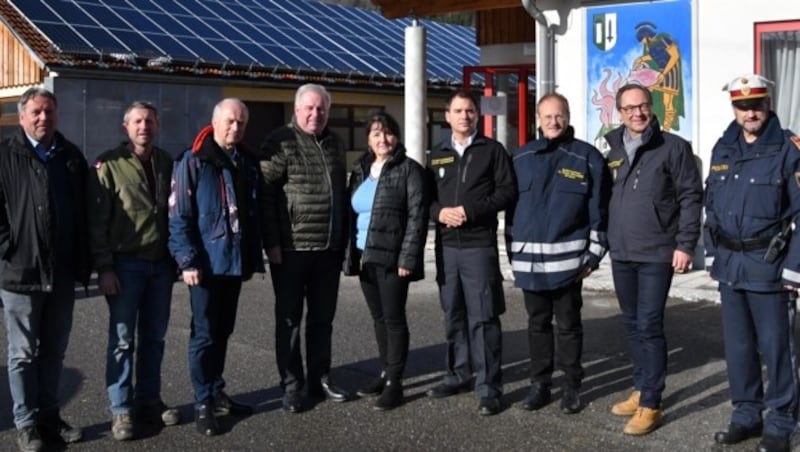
(644, 43)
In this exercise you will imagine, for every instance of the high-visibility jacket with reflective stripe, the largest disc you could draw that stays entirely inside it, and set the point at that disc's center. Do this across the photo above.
(559, 222)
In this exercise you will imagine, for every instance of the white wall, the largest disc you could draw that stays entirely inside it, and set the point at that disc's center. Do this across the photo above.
(723, 48)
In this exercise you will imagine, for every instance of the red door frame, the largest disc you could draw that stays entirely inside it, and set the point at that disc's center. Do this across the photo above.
(522, 71)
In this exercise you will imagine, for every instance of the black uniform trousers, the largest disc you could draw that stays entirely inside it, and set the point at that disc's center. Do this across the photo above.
(471, 295)
(565, 304)
(759, 327)
(313, 277)
(386, 294)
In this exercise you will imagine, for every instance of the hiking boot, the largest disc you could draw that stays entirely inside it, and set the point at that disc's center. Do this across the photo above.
(122, 427)
(644, 421)
(627, 407)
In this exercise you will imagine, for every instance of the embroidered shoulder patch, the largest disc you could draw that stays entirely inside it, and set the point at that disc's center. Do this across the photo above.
(796, 140)
(614, 164)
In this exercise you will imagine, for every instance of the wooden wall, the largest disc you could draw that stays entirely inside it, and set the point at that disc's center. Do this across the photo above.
(17, 68)
(504, 26)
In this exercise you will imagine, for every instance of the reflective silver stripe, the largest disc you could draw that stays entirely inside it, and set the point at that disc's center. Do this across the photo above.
(596, 249)
(548, 248)
(546, 267)
(709, 261)
(792, 276)
(594, 236)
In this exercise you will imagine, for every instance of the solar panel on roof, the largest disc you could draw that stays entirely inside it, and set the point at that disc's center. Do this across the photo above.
(299, 34)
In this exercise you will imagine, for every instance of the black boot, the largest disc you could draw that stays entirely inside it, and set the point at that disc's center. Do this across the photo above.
(391, 397)
(374, 388)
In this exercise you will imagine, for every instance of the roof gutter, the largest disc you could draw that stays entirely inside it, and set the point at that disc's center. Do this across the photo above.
(545, 50)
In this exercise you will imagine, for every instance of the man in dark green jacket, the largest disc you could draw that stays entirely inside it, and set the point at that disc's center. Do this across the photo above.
(128, 192)
(305, 199)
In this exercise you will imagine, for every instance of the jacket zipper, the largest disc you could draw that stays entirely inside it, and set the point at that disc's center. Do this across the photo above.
(330, 190)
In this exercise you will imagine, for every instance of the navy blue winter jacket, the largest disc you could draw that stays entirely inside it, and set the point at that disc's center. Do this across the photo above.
(214, 216)
(561, 214)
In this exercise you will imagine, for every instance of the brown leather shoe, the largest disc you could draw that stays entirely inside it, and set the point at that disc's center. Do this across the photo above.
(644, 421)
(627, 407)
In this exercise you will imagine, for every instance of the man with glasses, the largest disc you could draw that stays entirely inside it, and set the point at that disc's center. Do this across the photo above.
(654, 226)
(551, 254)
(752, 200)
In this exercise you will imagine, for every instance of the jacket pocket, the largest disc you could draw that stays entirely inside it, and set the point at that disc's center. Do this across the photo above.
(762, 197)
(211, 225)
(666, 213)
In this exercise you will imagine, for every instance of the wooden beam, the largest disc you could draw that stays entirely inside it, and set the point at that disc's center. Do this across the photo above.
(392, 9)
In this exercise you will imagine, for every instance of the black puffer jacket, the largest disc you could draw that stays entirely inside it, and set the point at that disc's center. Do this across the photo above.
(305, 190)
(28, 239)
(398, 225)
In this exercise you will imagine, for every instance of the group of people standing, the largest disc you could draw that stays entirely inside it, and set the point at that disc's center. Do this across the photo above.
(139, 218)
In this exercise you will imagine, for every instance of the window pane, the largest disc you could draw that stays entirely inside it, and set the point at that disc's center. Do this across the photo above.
(9, 107)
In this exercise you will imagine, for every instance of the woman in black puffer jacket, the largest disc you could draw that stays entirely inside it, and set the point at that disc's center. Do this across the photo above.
(388, 227)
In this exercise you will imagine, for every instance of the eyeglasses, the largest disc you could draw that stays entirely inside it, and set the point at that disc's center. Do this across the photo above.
(630, 109)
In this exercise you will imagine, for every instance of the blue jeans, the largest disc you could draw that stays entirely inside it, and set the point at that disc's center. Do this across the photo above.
(143, 303)
(38, 326)
(642, 289)
(214, 302)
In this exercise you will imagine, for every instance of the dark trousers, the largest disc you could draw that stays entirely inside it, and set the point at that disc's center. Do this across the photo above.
(214, 302)
(565, 304)
(386, 294)
(312, 276)
(760, 327)
(642, 289)
(471, 295)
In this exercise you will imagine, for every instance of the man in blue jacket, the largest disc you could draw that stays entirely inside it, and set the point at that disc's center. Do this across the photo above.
(214, 225)
(551, 254)
(653, 228)
(753, 198)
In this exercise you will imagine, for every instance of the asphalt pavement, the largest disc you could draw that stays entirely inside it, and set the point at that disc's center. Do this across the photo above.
(695, 401)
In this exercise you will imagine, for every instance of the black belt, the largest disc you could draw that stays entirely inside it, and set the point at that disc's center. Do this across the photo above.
(744, 245)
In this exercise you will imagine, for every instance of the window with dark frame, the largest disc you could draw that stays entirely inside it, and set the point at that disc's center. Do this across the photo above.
(9, 116)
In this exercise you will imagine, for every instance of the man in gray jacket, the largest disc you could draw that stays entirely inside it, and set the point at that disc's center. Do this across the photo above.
(305, 202)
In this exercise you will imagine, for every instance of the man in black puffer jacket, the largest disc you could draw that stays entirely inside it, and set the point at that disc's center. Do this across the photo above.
(304, 207)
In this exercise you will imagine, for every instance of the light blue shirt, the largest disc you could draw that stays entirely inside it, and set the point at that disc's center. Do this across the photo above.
(362, 206)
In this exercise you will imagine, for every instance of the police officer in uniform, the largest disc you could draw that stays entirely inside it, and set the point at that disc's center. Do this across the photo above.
(753, 194)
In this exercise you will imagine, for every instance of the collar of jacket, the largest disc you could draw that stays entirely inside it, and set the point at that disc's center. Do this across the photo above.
(368, 157)
(326, 133)
(546, 144)
(771, 134)
(207, 150)
(651, 137)
(446, 144)
(24, 145)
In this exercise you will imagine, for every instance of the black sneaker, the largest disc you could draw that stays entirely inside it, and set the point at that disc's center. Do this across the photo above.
(56, 429)
(28, 439)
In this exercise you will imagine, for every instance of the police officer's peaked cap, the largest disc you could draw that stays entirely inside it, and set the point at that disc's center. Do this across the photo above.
(747, 87)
